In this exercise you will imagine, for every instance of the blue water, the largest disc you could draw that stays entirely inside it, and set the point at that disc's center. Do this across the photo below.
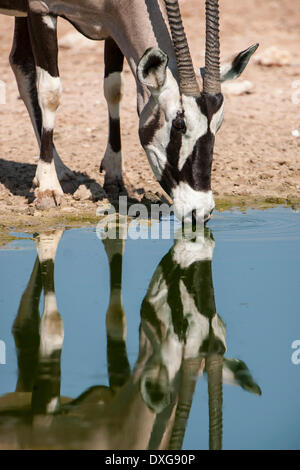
(256, 278)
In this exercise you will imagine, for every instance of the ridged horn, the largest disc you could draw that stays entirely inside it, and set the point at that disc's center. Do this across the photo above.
(214, 369)
(212, 81)
(187, 78)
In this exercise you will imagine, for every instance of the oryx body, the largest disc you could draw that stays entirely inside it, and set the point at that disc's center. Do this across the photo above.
(178, 122)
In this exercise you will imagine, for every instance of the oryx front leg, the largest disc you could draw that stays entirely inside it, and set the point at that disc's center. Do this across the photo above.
(44, 44)
(23, 65)
(112, 161)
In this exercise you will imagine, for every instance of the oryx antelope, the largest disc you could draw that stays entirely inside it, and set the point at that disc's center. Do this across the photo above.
(178, 119)
(180, 337)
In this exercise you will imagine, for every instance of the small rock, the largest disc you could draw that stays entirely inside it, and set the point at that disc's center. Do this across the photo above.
(295, 133)
(274, 56)
(30, 210)
(238, 88)
(82, 194)
(149, 196)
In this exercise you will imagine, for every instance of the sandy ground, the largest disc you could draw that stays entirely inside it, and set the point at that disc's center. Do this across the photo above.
(256, 155)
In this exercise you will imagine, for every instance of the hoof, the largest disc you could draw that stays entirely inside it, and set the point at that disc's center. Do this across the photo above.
(47, 200)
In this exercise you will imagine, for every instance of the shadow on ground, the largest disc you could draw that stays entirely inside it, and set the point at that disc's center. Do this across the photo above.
(18, 179)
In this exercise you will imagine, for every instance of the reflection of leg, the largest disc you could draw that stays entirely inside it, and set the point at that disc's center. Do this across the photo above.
(26, 331)
(118, 364)
(46, 393)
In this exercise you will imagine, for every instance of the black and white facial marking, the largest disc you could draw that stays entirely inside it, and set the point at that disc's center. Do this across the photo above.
(180, 321)
(179, 137)
(176, 129)
(178, 132)
(178, 315)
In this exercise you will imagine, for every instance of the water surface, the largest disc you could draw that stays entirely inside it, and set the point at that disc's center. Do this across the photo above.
(151, 343)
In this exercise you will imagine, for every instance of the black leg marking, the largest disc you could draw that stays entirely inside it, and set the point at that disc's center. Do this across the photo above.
(23, 65)
(113, 58)
(45, 50)
(115, 134)
(112, 161)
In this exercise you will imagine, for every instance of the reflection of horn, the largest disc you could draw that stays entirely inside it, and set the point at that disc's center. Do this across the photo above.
(214, 367)
(189, 373)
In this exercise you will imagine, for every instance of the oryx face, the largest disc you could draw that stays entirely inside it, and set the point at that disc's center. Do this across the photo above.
(179, 124)
(178, 134)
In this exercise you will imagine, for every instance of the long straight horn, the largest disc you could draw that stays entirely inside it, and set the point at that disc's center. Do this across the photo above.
(214, 369)
(212, 82)
(187, 78)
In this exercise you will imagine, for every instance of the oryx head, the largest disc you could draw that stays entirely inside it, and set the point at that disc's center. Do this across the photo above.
(178, 131)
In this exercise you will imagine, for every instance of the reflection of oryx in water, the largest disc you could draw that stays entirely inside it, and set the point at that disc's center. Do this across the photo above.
(181, 336)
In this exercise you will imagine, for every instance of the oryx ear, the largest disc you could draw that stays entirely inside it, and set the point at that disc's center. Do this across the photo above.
(233, 69)
(235, 372)
(152, 68)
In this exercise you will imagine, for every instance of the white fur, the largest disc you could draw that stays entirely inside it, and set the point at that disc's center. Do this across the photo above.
(219, 329)
(171, 354)
(187, 199)
(112, 163)
(228, 376)
(186, 252)
(196, 126)
(113, 88)
(50, 21)
(168, 99)
(217, 120)
(47, 243)
(198, 324)
(171, 347)
(53, 405)
(50, 305)
(52, 330)
(225, 68)
(46, 177)
(49, 93)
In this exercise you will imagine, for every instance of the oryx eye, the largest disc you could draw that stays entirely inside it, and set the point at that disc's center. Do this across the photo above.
(179, 123)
